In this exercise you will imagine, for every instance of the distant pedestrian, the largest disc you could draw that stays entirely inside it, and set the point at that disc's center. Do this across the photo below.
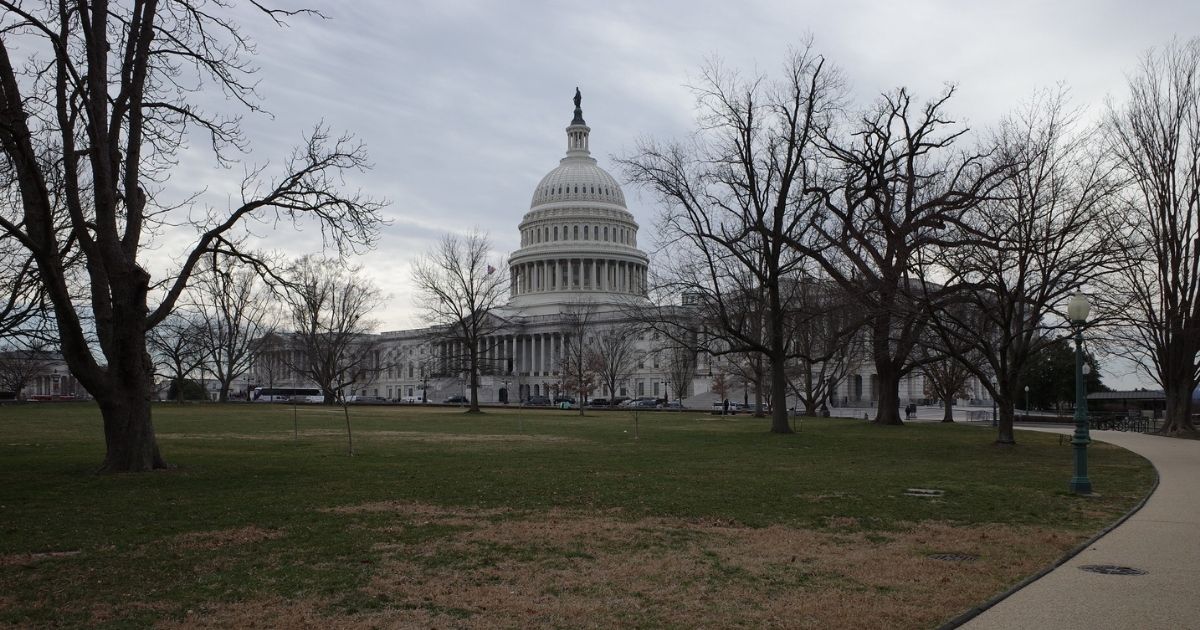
(725, 408)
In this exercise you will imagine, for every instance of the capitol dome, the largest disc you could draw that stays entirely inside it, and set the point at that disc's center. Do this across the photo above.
(578, 240)
(578, 180)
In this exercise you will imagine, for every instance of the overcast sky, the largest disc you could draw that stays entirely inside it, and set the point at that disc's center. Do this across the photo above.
(462, 104)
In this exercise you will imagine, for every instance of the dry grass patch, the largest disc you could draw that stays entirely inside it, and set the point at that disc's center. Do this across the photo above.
(225, 537)
(408, 436)
(28, 559)
(503, 569)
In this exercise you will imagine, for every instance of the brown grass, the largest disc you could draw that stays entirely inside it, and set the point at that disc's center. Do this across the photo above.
(224, 538)
(410, 436)
(568, 569)
(27, 559)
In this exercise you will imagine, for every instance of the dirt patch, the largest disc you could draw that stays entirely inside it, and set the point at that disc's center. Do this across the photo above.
(26, 559)
(225, 537)
(420, 436)
(505, 569)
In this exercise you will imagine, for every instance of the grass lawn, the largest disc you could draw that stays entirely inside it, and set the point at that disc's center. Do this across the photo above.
(523, 518)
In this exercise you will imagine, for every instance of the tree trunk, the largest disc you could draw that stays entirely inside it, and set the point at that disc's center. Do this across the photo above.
(888, 411)
(948, 414)
(130, 443)
(1005, 434)
(1179, 411)
(810, 397)
(349, 434)
(223, 393)
(474, 378)
(779, 412)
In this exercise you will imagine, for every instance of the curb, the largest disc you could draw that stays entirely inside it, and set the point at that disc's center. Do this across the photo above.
(978, 610)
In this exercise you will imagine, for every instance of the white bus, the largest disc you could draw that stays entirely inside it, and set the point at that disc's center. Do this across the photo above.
(287, 394)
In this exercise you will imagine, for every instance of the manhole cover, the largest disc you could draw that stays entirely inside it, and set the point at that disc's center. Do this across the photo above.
(1112, 569)
(954, 557)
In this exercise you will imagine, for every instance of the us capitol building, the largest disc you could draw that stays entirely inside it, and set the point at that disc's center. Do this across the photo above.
(579, 247)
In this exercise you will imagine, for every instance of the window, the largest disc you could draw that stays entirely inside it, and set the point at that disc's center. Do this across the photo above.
(656, 389)
(575, 233)
(641, 388)
(410, 370)
(585, 232)
(606, 232)
(556, 232)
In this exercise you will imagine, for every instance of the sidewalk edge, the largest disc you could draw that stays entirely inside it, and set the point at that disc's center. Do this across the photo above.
(978, 610)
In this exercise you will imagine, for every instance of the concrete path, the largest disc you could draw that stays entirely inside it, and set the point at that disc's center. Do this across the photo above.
(1163, 539)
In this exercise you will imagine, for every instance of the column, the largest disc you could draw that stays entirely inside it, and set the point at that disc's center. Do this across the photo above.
(558, 352)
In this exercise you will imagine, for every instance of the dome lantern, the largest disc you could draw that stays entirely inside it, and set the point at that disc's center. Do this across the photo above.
(577, 132)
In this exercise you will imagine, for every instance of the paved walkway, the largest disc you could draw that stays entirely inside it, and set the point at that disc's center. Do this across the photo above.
(1163, 539)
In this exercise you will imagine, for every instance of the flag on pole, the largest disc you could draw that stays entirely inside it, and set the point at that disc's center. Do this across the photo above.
(491, 270)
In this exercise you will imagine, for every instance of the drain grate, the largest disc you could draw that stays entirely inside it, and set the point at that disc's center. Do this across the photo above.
(954, 557)
(1112, 569)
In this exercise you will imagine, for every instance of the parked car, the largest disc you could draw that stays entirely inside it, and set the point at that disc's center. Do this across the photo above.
(673, 404)
(645, 403)
(537, 401)
(564, 399)
(618, 402)
(598, 402)
(456, 400)
(411, 400)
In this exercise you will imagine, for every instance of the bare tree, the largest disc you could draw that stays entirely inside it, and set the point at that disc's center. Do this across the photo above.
(178, 349)
(946, 379)
(826, 332)
(330, 308)
(578, 365)
(458, 287)
(236, 312)
(896, 186)
(104, 108)
(1050, 231)
(681, 370)
(22, 306)
(21, 361)
(615, 354)
(1156, 138)
(720, 385)
(733, 204)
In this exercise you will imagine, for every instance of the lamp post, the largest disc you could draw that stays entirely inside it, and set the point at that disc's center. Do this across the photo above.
(1026, 403)
(1077, 312)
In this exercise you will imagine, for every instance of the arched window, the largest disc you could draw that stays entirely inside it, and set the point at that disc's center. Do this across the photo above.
(606, 232)
(575, 233)
(556, 232)
(585, 232)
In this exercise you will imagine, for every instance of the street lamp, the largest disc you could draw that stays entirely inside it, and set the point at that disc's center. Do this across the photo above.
(1077, 312)
(1026, 403)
